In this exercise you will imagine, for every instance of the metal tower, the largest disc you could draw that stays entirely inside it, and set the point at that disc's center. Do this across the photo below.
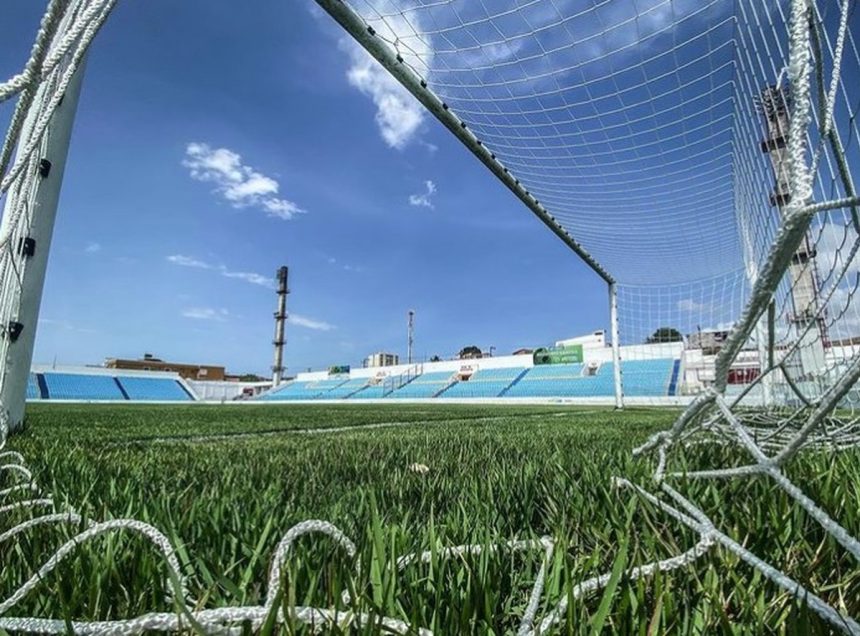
(775, 104)
(410, 335)
(280, 326)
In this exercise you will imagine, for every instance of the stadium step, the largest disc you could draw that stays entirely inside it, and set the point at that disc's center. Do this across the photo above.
(516, 379)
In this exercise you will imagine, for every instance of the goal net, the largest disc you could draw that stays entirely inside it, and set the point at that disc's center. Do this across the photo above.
(702, 156)
(699, 155)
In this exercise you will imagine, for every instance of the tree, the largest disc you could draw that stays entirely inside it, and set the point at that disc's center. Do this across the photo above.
(665, 334)
(469, 352)
(435, 359)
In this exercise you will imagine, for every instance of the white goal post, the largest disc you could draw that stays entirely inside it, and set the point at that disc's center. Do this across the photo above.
(700, 156)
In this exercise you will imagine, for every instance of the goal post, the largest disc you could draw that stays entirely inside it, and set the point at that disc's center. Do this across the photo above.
(704, 153)
(395, 64)
(33, 182)
(618, 388)
(27, 254)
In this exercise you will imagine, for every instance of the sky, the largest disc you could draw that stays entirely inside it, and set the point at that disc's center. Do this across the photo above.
(213, 145)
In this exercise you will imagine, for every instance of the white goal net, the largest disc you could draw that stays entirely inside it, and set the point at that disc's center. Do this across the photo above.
(700, 155)
(704, 155)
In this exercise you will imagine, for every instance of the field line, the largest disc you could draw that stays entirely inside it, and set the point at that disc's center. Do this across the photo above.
(220, 437)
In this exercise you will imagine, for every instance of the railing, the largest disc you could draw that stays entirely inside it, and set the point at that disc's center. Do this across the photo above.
(394, 382)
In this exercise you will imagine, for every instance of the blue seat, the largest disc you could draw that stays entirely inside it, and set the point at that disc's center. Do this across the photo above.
(647, 378)
(33, 391)
(163, 389)
(372, 392)
(563, 380)
(346, 389)
(484, 383)
(425, 385)
(79, 386)
(304, 390)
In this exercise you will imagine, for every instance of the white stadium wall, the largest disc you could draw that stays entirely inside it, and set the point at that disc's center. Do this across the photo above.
(592, 352)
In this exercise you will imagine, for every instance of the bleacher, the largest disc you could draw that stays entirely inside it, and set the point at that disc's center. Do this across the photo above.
(484, 383)
(563, 380)
(645, 378)
(79, 386)
(306, 390)
(33, 390)
(371, 392)
(346, 389)
(426, 385)
(641, 378)
(155, 389)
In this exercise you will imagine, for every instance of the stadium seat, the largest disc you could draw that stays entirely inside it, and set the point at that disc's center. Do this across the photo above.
(372, 392)
(33, 391)
(346, 389)
(303, 390)
(142, 388)
(80, 386)
(484, 383)
(642, 378)
(426, 385)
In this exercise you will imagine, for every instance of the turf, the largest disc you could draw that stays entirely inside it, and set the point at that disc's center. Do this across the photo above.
(225, 482)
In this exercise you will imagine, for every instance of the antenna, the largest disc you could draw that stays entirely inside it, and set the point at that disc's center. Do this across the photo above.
(280, 325)
(410, 334)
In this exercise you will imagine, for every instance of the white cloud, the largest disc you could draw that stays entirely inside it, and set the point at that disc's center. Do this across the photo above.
(249, 277)
(239, 184)
(398, 114)
(309, 323)
(205, 313)
(64, 325)
(187, 261)
(431, 148)
(92, 248)
(423, 200)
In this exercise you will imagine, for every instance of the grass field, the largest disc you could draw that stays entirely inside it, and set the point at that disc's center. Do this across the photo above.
(225, 483)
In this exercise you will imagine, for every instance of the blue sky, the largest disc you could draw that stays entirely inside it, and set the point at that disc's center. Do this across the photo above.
(213, 145)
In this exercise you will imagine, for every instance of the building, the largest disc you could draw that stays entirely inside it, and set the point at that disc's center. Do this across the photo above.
(187, 371)
(710, 341)
(382, 359)
(595, 340)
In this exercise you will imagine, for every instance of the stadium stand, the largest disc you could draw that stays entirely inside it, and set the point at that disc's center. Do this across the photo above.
(563, 380)
(78, 386)
(426, 385)
(643, 378)
(33, 390)
(298, 390)
(371, 392)
(161, 389)
(484, 383)
(346, 389)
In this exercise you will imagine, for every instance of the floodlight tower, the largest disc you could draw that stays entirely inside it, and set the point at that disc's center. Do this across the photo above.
(410, 334)
(775, 105)
(280, 326)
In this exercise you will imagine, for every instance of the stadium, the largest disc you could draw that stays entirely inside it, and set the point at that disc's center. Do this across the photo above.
(649, 207)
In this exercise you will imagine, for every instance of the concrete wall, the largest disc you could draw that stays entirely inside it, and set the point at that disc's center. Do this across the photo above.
(83, 370)
(591, 353)
(449, 366)
(224, 391)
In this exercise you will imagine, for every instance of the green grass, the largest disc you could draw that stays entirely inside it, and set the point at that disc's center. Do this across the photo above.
(225, 482)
